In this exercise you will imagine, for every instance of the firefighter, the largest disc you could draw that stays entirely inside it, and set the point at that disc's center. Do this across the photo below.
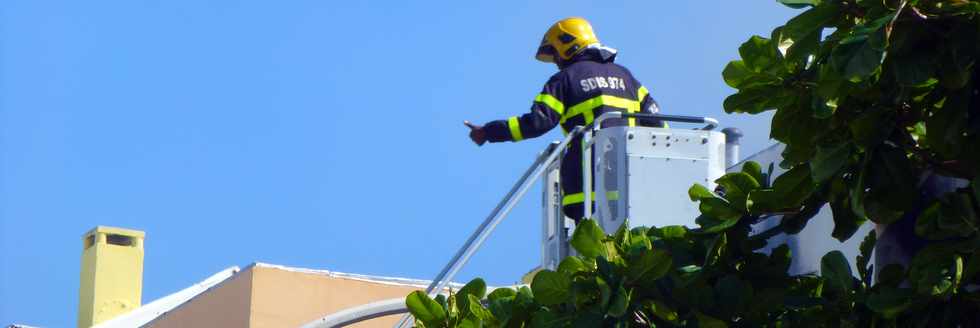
(587, 85)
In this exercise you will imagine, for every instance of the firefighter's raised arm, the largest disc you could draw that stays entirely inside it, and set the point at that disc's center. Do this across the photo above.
(545, 114)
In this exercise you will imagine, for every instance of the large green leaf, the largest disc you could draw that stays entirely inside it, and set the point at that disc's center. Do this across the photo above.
(800, 36)
(662, 310)
(476, 287)
(879, 211)
(470, 321)
(864, 258)
(889, 185)
(872, 126)
(935, 270)
(619, 303)
(639, 242)
(890, 302)
(830, 83)
(737, 186)
(950, 216)
(587, 239)
(794, 185)
(829, 160)
(502, 309)
(861, 53)
(719, 209)
(425, 309)
(735, 293)
(795, 126)
(794, 223)
(551, 287)
(809, 22)
(477, 309)
(571, 265)
(524, 301)
(752, 100)
(837, 271)
(845, 221)
(698, 192)
(758, 53)
(736, 73)
(623, 238)
(651, 265)
(765, 201)
(674, 232)
(501, 293)
(754, 170)
(824, 108)
(605, 292)
(710, 224)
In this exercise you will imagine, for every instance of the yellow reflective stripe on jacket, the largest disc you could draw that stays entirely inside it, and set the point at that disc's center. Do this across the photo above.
(587, 108)
(579, 197)
(640, 94)
(515, 128)
(552, 102)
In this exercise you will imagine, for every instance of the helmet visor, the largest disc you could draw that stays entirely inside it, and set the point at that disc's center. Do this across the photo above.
(546, 53)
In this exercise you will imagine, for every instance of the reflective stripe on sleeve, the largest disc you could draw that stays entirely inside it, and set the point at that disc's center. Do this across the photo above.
(515, 128)
(552, 102)
(640, 94)
(587, 108)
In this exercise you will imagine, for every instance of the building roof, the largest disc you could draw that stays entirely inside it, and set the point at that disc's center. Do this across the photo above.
(146, 313)
(256, 295)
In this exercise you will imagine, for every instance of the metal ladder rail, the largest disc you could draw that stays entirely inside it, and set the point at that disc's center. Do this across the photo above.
(475, 241)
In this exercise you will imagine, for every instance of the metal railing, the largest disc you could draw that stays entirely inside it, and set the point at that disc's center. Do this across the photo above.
(496, 216)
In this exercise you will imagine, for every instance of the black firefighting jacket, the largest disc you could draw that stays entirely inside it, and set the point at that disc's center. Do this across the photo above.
(587, 86)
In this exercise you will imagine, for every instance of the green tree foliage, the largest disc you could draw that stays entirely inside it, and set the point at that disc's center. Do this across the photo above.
(870, 96)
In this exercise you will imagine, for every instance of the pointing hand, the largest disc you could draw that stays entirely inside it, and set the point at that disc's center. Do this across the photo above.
(476, 133)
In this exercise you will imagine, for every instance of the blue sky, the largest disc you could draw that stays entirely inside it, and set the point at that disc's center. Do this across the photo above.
(305, 133)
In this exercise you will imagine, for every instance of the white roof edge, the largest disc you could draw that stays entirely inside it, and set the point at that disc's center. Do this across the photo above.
(152, 310)
(396, 281)
(771, 148)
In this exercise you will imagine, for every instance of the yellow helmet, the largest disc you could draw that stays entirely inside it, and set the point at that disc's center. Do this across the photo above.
(566, 38)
